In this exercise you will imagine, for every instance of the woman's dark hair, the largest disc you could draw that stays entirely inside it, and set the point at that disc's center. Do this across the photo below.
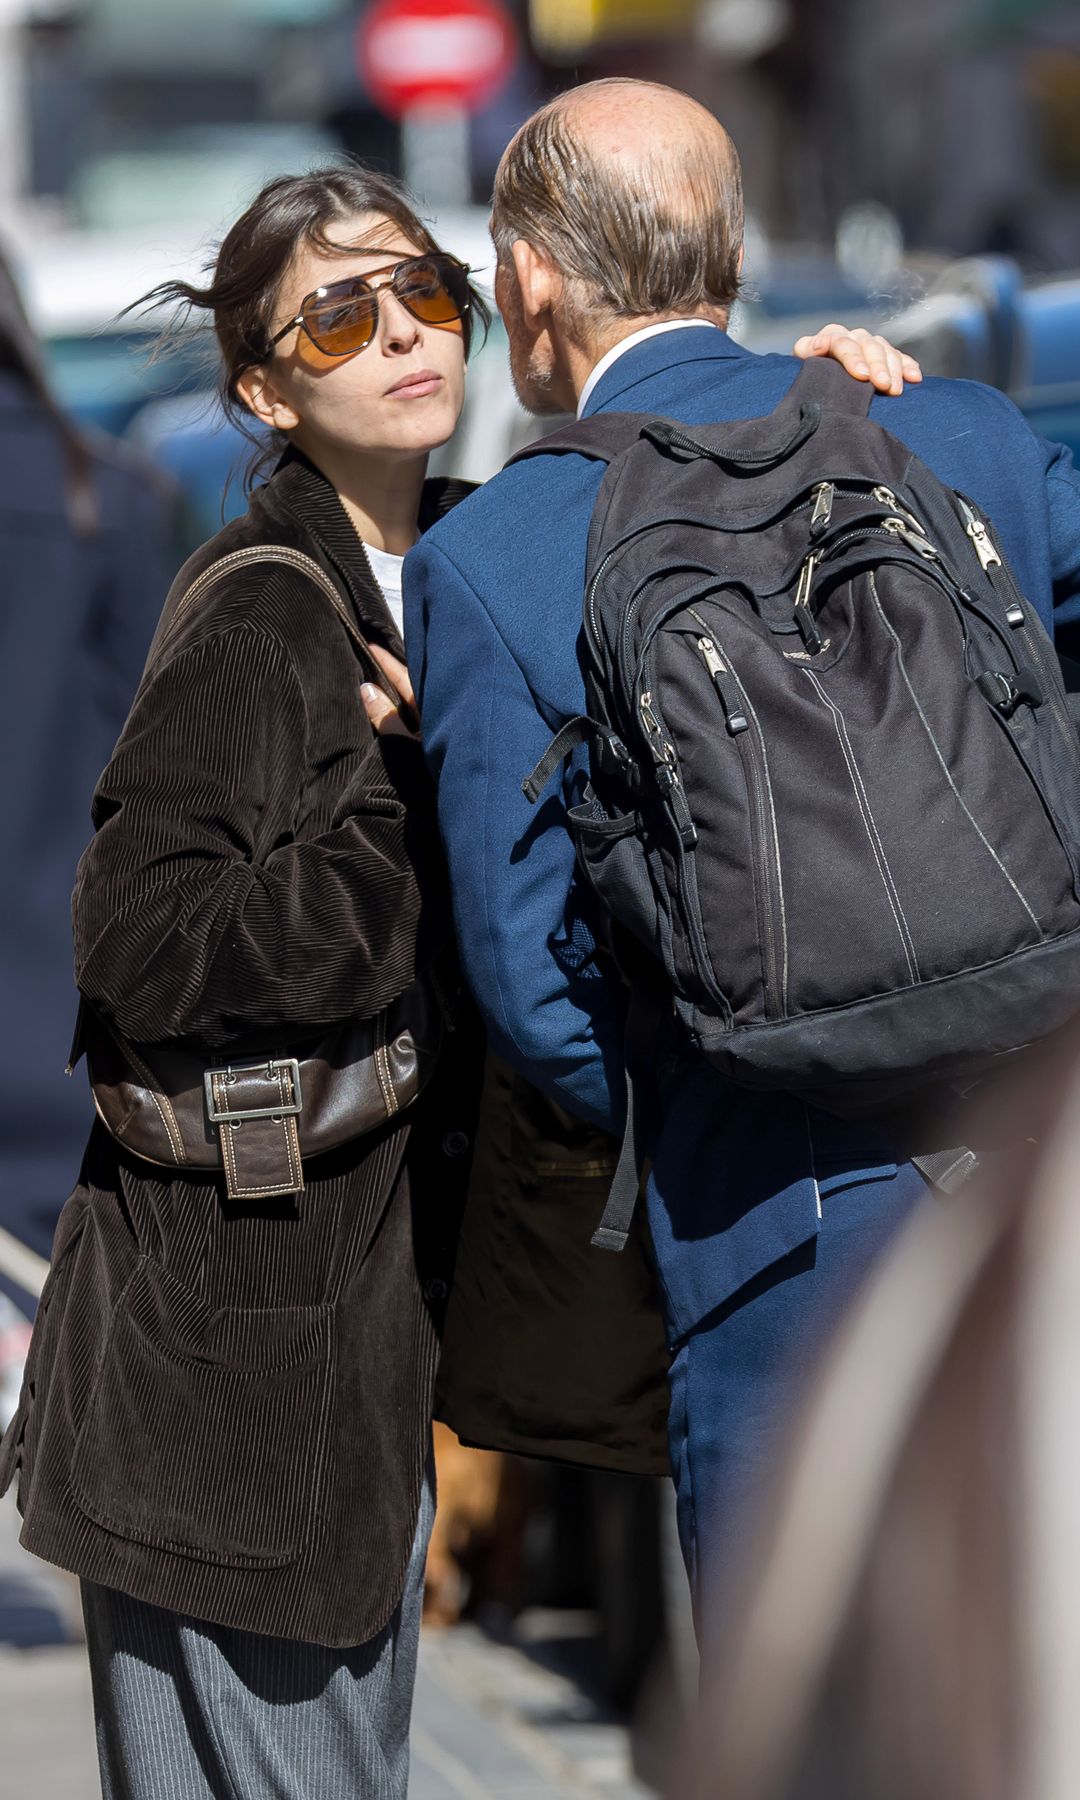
(21, 356)
(255, 254)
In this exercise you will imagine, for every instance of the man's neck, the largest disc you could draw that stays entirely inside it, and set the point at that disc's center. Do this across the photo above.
(582, 359)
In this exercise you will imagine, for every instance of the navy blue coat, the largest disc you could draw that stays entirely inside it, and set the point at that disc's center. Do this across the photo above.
(77, 617)
(493, 619)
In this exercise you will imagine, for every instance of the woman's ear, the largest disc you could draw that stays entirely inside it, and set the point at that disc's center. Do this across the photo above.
(256, 388)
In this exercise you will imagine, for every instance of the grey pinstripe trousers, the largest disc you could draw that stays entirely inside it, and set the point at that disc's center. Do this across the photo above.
(190, 1711)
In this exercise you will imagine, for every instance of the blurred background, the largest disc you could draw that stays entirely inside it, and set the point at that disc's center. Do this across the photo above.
(913, 168)
(880, 145)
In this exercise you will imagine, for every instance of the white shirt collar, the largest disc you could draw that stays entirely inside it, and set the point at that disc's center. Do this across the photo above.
(627, 343)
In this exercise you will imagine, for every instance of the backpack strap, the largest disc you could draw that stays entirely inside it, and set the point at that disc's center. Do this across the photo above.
(581, 730)
(293, 559)
(822, 381)
(603, 437)
(644, 1016)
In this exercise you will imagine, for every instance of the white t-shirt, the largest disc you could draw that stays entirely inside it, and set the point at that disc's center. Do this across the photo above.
(386, 568)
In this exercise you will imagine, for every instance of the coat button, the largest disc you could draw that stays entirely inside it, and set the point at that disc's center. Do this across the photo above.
(435, 1290)
(455, 1143)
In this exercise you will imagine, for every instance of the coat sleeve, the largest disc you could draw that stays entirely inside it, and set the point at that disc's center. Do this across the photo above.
(196, 913)
(521, 915)
(1063, 495)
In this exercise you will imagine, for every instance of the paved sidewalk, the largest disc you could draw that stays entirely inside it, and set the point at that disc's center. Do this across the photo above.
(493, 1721)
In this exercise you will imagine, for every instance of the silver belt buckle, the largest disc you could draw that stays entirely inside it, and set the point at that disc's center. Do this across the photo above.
(270, 1067)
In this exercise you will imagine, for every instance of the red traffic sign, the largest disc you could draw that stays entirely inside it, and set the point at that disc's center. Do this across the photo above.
(434, 53)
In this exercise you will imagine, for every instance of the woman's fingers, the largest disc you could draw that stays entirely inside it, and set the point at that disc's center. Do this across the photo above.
(864, 354)
(385, 717)
(396, 674)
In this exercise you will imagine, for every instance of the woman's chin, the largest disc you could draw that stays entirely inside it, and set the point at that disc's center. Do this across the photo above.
(419, 435)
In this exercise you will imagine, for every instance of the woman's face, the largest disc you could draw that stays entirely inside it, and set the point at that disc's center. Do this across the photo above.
(400, 396)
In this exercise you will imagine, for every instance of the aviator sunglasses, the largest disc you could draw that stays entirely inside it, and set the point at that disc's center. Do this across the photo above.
(343, 317)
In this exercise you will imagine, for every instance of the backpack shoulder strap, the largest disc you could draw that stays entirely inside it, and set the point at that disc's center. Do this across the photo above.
(822, 380)
(291, 558)
(603, 437)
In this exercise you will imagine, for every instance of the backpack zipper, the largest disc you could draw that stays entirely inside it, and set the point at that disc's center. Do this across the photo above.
(666, 769)
(990, 558)
(743, 723)
(722, 680)
(684, 875)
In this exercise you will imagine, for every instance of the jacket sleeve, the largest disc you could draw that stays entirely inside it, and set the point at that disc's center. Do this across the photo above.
(521, 915)
(1063, 496)
(196, 912)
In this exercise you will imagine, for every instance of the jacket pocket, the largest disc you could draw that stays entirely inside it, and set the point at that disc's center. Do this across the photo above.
(206, 1431)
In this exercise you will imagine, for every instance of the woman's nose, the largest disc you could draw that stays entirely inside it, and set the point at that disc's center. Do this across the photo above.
(397, 327)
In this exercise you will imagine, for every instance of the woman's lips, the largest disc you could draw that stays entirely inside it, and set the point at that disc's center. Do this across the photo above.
(415, 386)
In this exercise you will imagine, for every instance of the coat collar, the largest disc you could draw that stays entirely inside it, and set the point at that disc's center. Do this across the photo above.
(311, 502)
(668, 350)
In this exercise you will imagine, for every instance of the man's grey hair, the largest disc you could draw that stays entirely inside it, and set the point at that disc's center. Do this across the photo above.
(660, 235)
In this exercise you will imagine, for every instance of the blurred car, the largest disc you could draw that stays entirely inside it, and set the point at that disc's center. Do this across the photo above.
(981, 322)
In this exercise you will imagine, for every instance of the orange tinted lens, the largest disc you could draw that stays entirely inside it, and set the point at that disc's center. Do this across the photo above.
(426, 288)
(343, 319)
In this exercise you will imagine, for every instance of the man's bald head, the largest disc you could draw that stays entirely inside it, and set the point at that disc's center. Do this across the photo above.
(634, 192)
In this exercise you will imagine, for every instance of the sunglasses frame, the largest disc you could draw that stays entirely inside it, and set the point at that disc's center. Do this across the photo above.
(391, 271)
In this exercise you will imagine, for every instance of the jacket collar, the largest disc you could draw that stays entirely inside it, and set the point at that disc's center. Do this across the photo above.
(311, 502)
(667, 350)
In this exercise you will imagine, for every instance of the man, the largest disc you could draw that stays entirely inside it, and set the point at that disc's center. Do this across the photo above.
(618, 225)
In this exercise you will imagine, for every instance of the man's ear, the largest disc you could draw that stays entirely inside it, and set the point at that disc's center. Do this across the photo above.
(539, 283)
(263, 399)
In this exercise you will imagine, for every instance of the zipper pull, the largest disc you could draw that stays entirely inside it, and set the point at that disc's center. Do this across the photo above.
(726, 687)
(916, 539)
(667, 772)
(886, 497)
(980, 537)
(663, 753)
(804, 618)
(823, 502)
(651, 724)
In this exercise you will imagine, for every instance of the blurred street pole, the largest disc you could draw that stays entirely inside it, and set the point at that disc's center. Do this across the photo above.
(12, 112)
(435, 154)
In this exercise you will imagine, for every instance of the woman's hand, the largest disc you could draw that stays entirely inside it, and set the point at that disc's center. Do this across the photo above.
(402, 720)
(864, 355)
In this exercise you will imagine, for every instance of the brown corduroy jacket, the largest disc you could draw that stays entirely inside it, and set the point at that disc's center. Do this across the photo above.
(226, 1407)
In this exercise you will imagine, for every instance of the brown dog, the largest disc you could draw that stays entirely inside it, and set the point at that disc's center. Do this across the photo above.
(475, 1556)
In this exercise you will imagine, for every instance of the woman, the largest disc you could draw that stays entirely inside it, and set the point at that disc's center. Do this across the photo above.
(225, 1425)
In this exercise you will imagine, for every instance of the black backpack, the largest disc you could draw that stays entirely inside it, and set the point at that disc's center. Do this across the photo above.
(834, 782)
